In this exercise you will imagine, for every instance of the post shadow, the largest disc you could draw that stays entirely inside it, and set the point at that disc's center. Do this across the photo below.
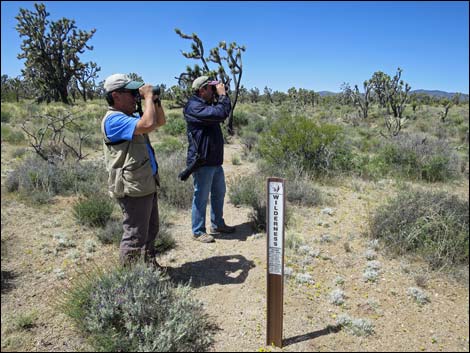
(229, 269)
(308, 336)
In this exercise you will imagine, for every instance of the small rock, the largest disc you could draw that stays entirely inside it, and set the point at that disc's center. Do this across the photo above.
(329, 211)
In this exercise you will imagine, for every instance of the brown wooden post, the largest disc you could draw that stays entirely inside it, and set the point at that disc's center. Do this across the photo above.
(275, 211)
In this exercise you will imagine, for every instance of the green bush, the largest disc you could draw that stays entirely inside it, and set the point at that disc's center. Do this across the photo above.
(240, 118)
(245, 190)
(317, 149)
(253, 123)
(249, 140)
(111, 233)
(39, 197)
(175, 125)
(302, 192)
(431, 224)
(168, 145)
(251, 191)
(94, 211)
(137, 309)
(19, 152)
(173, 191)
(418, 157)
(6, 116)
(12, 136)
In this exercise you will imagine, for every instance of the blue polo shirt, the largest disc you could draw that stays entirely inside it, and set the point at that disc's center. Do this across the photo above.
(120, 126)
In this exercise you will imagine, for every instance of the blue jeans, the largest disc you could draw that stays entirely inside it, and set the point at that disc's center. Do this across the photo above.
(208, 180)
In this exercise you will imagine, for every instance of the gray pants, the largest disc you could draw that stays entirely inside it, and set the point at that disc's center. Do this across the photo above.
(140, 225)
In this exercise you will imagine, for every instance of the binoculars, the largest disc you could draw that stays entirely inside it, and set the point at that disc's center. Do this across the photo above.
(214, 89)
(156, 90)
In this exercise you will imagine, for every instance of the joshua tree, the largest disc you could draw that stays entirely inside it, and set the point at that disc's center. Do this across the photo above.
(51, 55)
(232, 58)
(360, 100)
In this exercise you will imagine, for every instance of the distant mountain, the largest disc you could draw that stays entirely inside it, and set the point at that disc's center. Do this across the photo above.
(440, 94)
(326, 93)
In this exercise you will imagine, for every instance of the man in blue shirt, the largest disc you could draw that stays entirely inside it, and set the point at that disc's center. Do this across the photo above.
(131, 163)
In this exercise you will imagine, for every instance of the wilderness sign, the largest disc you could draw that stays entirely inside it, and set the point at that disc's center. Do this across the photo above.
(275, 268)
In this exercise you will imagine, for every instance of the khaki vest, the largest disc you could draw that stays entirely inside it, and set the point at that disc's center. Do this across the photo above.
(128, 165)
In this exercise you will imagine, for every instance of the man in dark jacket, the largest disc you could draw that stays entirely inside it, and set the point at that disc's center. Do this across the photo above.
(203, 117)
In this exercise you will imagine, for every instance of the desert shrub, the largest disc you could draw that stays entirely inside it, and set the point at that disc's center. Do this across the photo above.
(94, 211)
(337, 297)
(85, 178)
(432, 224)
(236, 160)
(370, 275)
(249, 140)
(240, 118)
(24, 321)
(18, 152)
(357, 327)
(318, 149)
(175, 124)
(173, 191)
(293, 240)
(39, 197)
(6, 116)
(12, 136)
(111, 233)
(258, 214)
(251, 191)
(301, 191)
(253, 123)
(167, 145)
(418, 157)
(137, 309)
(36, 175)
(165, 240)
(244, 190)
(418, 295)
(368, 141)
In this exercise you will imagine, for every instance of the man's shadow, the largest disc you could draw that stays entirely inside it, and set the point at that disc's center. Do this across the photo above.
(242, 232)
(230, 269)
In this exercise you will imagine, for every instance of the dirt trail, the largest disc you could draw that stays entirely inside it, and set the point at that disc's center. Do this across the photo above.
(228, 276)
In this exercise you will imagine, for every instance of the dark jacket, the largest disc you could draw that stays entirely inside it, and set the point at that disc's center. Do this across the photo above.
(203, 123)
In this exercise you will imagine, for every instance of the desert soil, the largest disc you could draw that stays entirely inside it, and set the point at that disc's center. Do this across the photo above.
(229, 277)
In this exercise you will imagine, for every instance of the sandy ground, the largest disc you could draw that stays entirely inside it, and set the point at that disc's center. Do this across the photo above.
(229, 277)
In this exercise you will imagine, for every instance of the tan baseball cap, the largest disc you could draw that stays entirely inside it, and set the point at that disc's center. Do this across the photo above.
(203, 81)
(118, 81)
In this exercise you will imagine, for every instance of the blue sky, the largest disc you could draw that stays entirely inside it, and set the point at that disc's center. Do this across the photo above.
(313, 45)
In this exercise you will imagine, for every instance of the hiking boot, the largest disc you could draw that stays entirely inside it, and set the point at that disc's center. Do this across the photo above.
(204, 238)
(223, 229)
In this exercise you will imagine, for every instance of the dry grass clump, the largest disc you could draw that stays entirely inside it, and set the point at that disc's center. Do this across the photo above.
(433, 225)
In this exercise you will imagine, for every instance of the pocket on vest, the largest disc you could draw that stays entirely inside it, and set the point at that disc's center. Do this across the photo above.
(138, 179)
